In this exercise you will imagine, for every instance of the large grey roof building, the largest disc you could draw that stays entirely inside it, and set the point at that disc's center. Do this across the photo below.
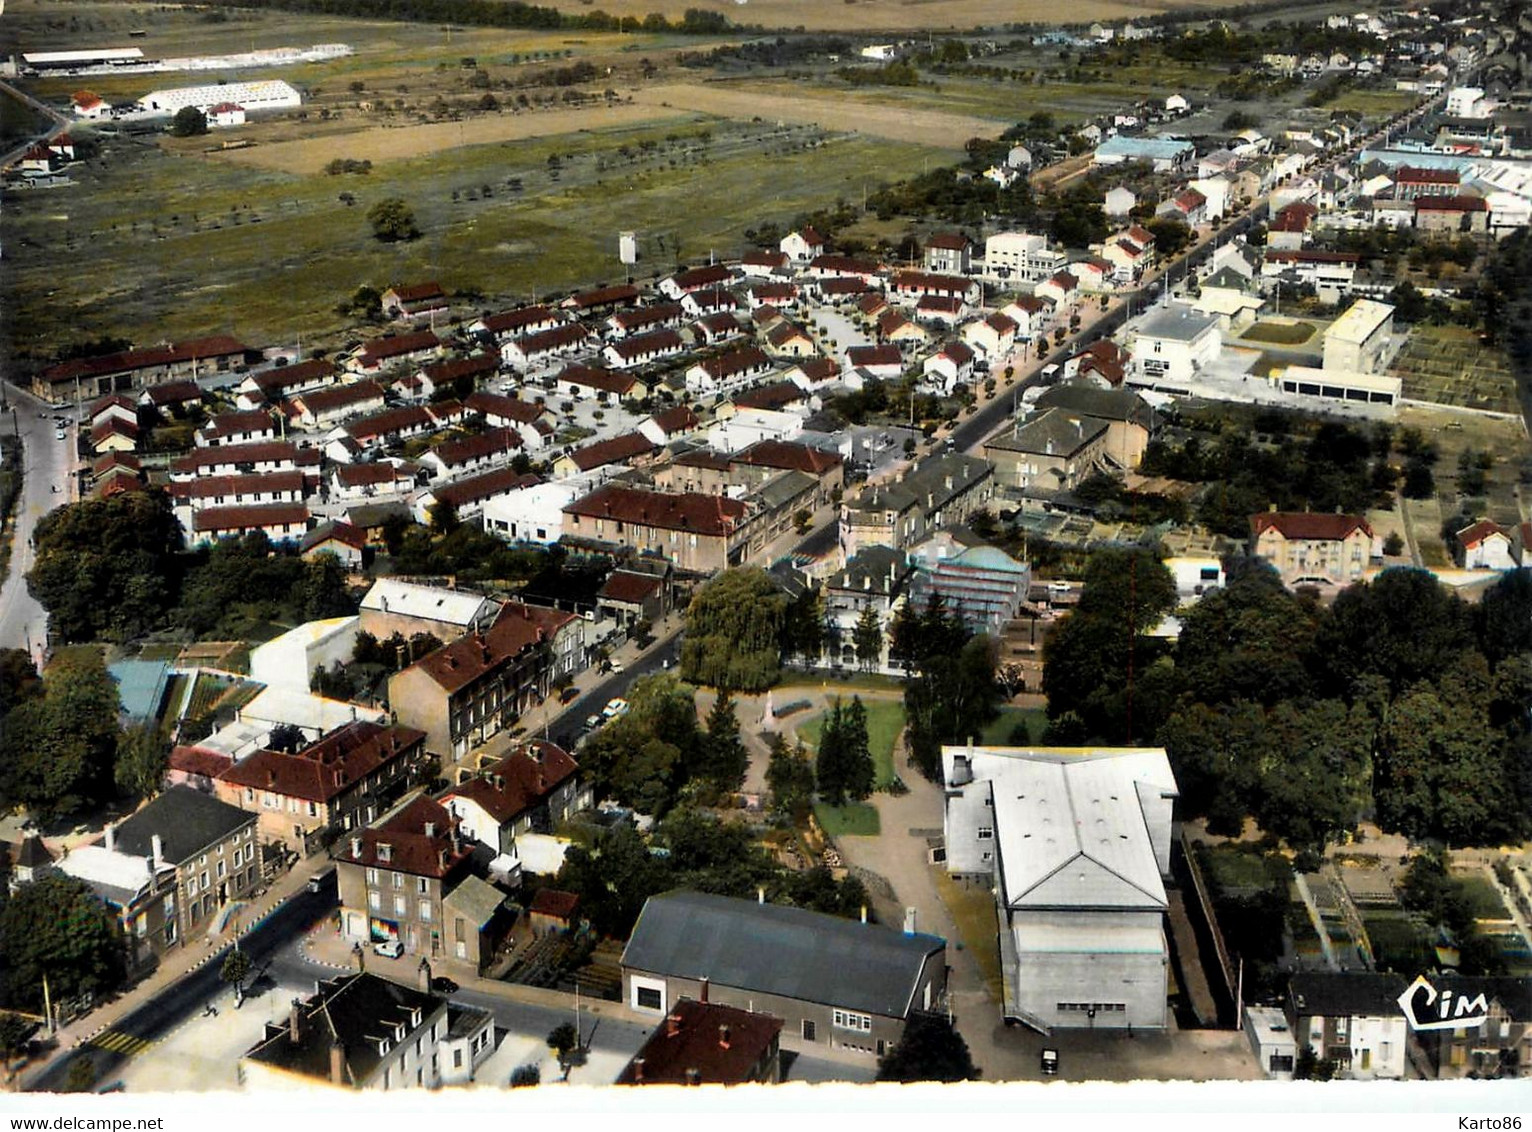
(833, 981)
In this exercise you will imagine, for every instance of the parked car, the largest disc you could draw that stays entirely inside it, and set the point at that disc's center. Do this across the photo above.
(443, 985)
(614, 708)
(616, 666)
(389, 949)
(569, 693)
(594, 721)
(60, 435)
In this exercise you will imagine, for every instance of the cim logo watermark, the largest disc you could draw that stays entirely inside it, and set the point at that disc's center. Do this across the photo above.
(1427, 1008)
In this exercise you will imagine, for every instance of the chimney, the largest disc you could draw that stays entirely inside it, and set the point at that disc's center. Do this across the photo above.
(430, 829)
(337, 1064)
(638, 1071)
(672, 1025)
(909, 921)
(294, 1018)
(702, 990)
(423, 976)
(157, 847)
(111, 838)
(723, 1036)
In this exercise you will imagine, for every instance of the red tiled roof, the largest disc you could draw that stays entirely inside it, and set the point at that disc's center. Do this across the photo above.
(453, 368)
(1283, 256)
(843, 285)
(484, 486)
(1434, 203)
(325, 769)
(507, 408)
(715, 515)
(470, 448)
(939, 304)
(785, 332)
(701, 278)
(599, 378)
(397, 345)
(174, 393)
(1311, 525)
(508, 322)
(959, 352)
(949, 241)
(810, 237)
(875, 356)
(1141, 236)
(112, 400)
(925, 281)
(390, 422)
(844, 265)
(1478, 532)
(637, 318)
(199, 760)
(677, 418)
(410, 848)
(1001, 323)
(603, 297)
(516, 628)
(554, 338)
(256, 515)
(239, 422)
(336, 531)
(616, 450)
(890, 322)
(819, 369)
(113, 426)
(554, 902)
(734, 362)
(206, 487)
(125, 361)
(786, 455)
(872, 302)
(336, 397)
(705, 1043)
(774, 292)
(724, 322)
(629, 586)
(262, 452)
(1411, 175)
(776, 260)
(117, 461)
(518, 782)
(1064, 281)
(774, 396)
(415, 292)
(648, 345)
(273, 382)
(366, 475)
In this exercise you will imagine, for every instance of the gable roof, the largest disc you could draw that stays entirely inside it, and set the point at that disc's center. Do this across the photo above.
(325, 769)
(212, 519)
(615, 450)
(775, 395)
(516, 628)
(1348, 994)
(430, 603)
(1478, 532)
(703, 1043)
(1312, 525)
(332, 397)
(187, 822)
(1055, 432)
(716, 515)
(473, 489)
(793, 457)
(419, 838)
(771, 949)
(599, 377)
(466, 449)
(629, 586)
(503, 406)
(518, 782)
(336, 530)
(1104, 404)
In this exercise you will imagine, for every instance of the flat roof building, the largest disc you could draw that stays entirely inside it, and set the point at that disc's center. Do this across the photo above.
(1359, 338)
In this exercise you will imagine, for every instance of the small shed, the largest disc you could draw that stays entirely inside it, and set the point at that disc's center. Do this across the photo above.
(552, 910)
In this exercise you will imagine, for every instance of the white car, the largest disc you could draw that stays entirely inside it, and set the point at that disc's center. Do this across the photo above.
(389, 949)
(614, 708)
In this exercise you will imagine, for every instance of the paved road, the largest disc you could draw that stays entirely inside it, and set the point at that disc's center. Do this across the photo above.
(48, 464)
(58, 124)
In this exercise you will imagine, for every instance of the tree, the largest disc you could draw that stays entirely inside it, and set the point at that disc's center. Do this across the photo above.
(858, 772)
(829, 757)
(444, 518)
(57, 753)
(56, 927)
(142, 756)
(393, 221)
(930, 1049)
(727, 761)
(524, 1076)
(867, 639)
(189, 122)
(234, 972)
(790, 778)
(734, 631)
(564, 1041)
(19, 680)
(107, 568)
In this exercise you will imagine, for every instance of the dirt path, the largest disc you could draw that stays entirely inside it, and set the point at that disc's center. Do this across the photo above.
(923, 127)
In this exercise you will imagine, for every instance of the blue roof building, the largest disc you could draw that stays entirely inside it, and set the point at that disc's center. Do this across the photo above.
(1166, 154)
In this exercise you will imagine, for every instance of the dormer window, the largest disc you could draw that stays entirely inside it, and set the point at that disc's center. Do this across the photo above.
(414, 1017)
(382, 1047)
(385, 851)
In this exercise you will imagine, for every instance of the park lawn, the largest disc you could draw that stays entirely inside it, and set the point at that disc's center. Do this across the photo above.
(885, 720)
(1483, 897)
(997, 733)
(1280, 333)
(854, 819)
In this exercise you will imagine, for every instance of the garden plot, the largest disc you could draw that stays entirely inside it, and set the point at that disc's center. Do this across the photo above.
(1448, 365)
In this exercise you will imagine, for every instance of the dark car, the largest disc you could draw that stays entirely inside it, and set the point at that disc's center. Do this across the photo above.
(569, 693)
(443, 985)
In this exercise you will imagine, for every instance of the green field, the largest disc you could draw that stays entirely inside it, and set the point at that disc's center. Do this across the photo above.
(997, 733)
(854, 819)
(1279, 333)
(885, 720)
(1483, 897)
(1373, 103)
(1398, 943)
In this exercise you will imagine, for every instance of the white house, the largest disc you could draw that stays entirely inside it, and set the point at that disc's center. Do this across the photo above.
(1077, 842)
(1020, 257)
(289, 661)
(750, 426)
(949, 366)
(992, 337)
(534, 513)
(1485, 546)
(802, 245)
(1119, 201)
(1173, 344)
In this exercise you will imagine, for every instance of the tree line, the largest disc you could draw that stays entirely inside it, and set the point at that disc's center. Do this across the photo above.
(497, 14)
(1399, 702)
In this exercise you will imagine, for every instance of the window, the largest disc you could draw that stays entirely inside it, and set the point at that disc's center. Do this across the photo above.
(425, 911)
(809, 1030)
(221, 870)
(986, 833)
(313, 810)
(457, 1059)
(375, 901)
(422, 885)
(648, 998)
(1281, 1063)
(398, 880)
(204, 883)
(399, 906)
(847, 1020)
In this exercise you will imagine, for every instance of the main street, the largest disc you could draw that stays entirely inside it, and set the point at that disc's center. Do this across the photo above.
(47, 481)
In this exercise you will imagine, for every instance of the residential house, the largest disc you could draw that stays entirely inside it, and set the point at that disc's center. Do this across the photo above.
(1308, 548)
(1173, 344)
(474, 452)
(172, 399)
(330, 404)
(408, 608)
(803, 245)
(1188, 206)
(765, 265)
(193, 495)
(533, 789)
(878, 361)
(306, 798)
(1290, 228)
(602, 300)
(896, 330)
(718, 328)
(1032, 315)
(770, 456)
(669, 425)
(709, 278)
(410, 301)
(712, 301)
(1498, 1047)
(468, 497)
(1130, 422)
(621, 449)
(698, 534)
(950, 366)
(707, 1043)
(845, 267)
(345, 542)
(788, 339)
(1052, 452)
(139, 891)
(630, 596)
(1103, 364)
(352, 482)
(922, 284)
(247, 426)
(949, 253)
(283, 383)
(1484, 546)
(365, 1032)
(279, 522)
(212, 847)
(601, 383)
(642, 349)
(532, 421)
(731, 368)
(1077, 844)
(454, 374)
(79, 379)
(1020, 257)
(939, 310)
(937, 491)
(1062, 289)
(991, 337)
(244, 459)
(874, 578)
(1331, 274)
(1353, 1020)
(1359, 340)
(395, 350)
(479, 684)
(836, 983)
(505, 325)
(542, 348)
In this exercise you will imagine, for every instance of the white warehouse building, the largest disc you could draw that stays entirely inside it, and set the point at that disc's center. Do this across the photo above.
(1077, 842)
(268, 94)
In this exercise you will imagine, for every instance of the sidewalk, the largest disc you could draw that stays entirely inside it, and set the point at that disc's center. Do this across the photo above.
(195, 953)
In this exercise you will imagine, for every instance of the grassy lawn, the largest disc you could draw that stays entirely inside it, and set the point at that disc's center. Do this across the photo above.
(973, 911)
(1281, 333)
(1373, 103)
(1235, 868)
(1483, 897)
(854, 819)
(796, 681)
(1397, 943)
(998, 732)
(885, 719)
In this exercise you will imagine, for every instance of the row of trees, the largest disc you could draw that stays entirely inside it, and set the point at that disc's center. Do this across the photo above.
(950, 692)
(1398, 702)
